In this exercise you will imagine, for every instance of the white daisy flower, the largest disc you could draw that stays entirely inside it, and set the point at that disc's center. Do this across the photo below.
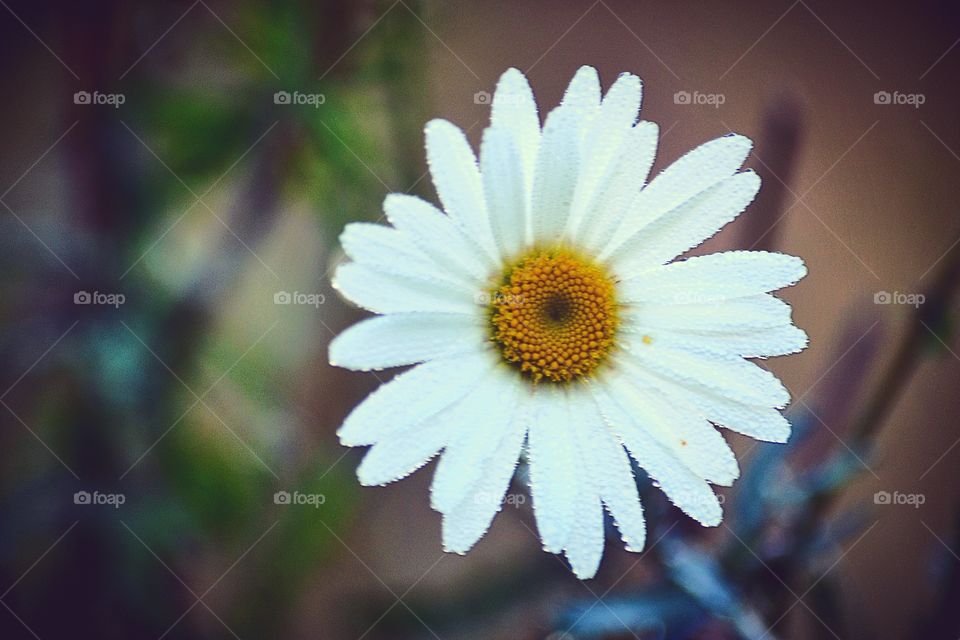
(547, 317)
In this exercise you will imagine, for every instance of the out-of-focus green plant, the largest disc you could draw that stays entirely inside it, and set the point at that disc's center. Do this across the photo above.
(125, 415)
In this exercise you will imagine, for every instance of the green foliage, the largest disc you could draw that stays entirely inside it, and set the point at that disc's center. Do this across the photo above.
(217, 482)
(197, 497)
(195, 132)
(304, 538)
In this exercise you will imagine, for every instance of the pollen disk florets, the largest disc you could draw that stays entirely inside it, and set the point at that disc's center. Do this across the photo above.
(554, 316)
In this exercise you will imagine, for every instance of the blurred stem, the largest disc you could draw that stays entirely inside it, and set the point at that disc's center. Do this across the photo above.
(404, 77)
(924, 321)
(777, 152)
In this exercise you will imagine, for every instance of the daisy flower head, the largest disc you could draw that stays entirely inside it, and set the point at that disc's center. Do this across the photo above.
(546, 316)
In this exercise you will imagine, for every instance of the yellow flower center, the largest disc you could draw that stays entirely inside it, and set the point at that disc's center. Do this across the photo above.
(554, 316)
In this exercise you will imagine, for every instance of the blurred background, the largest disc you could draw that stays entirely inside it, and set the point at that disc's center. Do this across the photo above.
(173, 179)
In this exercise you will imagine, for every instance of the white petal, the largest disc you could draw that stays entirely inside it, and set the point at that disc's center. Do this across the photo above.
(503, 184)
(687, 225)
(515, 110)
(583, 96)
(401, 453)
(696, 171)
(761, 423)
(607, 461)
(456, 176)
(436, 235)
(483, 418)
(412, 397)
(469, 520)
(757, 421)
(622, 101)
(681, 485)
(752, 343)
(553, 465)
(624, 177)
(584, 545)
(761, 311)
(603, 138)
(556, 176)
(401, 339)
(685, 433)
(386, 293)
(376, 244)
(714, 277)
(723, 374)
(618, 112)
(389, 251)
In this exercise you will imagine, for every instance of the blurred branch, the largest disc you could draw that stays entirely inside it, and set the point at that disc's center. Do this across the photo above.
(922, 326)
(777, 152)
(404, 78)
(925, 322)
